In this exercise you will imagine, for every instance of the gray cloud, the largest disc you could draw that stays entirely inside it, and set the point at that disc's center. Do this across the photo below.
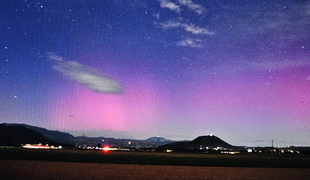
(187, 27)
(170, 5)
(197, 8)
(184, 5)
(190, 42)
(90, 78)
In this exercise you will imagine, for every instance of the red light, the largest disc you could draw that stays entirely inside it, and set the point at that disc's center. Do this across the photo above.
(106, 148)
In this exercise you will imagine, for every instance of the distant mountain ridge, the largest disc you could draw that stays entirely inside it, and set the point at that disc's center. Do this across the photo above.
(209, 142)
(80, 141)
(57, 136)
(18, 134)
(201, 142)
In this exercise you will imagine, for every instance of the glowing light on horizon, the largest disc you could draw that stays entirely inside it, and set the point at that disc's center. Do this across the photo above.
(106, 148)
(36, 146)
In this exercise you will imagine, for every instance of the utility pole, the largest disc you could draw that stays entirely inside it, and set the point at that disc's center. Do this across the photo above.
(271, 143)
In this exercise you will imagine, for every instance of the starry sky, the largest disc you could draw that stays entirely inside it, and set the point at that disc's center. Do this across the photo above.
(178, 69)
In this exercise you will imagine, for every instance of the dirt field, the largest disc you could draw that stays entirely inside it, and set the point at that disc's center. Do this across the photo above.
(19, 169)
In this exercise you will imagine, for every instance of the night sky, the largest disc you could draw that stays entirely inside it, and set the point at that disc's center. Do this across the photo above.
(173, 68)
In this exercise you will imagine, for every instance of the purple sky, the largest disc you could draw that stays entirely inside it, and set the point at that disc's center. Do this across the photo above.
(177, 69)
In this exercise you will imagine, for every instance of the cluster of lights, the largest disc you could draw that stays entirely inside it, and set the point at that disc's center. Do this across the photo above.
(230, 152)
(108, 148)
(40, 146)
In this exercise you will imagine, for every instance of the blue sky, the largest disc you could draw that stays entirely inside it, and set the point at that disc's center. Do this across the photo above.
(172, 68)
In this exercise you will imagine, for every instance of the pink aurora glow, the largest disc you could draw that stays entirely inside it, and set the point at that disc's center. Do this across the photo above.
(235, 104)
(85, 109)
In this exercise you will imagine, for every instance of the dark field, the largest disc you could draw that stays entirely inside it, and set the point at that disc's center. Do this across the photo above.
(92, 164)
(160, 158)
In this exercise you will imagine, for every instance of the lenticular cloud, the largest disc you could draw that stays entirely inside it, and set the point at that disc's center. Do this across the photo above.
(89, 77)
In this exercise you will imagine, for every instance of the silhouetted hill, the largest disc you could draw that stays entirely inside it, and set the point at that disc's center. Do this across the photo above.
(209, 141)
(200, 143)
(17, 135)
(57, 136)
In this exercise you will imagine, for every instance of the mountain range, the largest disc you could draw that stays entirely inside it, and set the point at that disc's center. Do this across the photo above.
(23, 133)
(18, 134)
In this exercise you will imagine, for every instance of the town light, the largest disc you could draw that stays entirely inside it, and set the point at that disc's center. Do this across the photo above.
(106, 148)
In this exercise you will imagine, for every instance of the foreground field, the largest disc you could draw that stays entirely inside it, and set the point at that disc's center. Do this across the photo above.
(160, 158)
(17, 169)
(18, 163)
